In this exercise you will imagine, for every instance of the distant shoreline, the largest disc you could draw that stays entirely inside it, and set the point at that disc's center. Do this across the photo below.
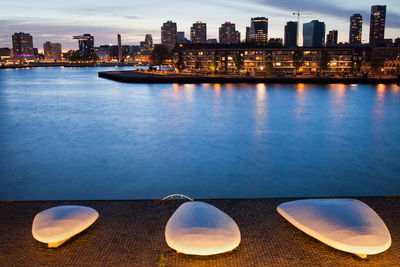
(67, 65)
(145, 77)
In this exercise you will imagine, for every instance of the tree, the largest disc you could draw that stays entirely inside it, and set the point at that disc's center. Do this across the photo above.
(355, 65)
(180, 64)
(297, 60)
(269, 67)
(376, 64)
(239, 61)
(324, 61)
(197, 63)
(213, 65)
(159, 54)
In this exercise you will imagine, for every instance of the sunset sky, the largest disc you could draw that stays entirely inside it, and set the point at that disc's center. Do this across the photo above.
(58, 21)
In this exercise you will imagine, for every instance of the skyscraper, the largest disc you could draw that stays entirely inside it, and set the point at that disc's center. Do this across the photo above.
(377, 26)
(248, 31)
(119, 48)
(259, 30)
(22, 45)
(86, 44)
(198, 33)
(52, 51)
(355, 33)
(169, 34)
(331, 38)
(228, 34)
(313, 34)
(291, 34)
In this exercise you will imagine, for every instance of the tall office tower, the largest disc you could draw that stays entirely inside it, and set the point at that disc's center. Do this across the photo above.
(120, 59)
(377, 26)
(259, 30)
(86, 44)
(180, 37)
(22, 45)
(313, 34)
(291, 34)
(148, 40)
(228, 34)
(169, 34)
(248, 31)
(355, 33)
(331, 38)
(52, 51)
(198, 33)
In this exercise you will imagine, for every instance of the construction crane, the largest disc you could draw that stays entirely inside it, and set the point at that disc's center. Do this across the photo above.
(298, 13)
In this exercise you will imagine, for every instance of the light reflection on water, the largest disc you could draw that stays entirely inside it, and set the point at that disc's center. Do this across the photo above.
(66, 134)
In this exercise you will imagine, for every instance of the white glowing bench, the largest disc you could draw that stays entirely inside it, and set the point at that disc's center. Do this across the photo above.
(198, 228)
(345, 224)
(56, 225)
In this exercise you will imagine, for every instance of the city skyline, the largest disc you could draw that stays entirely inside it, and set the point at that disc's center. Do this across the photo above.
(58, 22)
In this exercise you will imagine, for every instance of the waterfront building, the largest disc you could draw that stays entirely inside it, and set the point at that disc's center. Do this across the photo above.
(332, 38)
(291, 34)
(259, 31)
(86, 44)
(377, 25)
(22, 46)
(198, 33)
(169, 34)
(147, 46)
(275, 42)
(255, 59)
(228, 34)
(120, 59)
(103, 52)
(313, 34)
(5, 54)
(52, 51)
(355, 33)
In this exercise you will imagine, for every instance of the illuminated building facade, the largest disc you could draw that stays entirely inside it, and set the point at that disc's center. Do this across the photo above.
(377, 26)
(355, 33)
(313, 34)
(169, 34)
(291, 34)
(255, 59)
(22, 46)
(259, 31)
(52, 51)
(86, 44)
(332, 38)
(198, 33)
(228, 34)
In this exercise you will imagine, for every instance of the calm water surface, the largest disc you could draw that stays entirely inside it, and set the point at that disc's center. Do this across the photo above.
(67, 134)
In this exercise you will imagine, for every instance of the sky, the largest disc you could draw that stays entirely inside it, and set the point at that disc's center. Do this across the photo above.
(58, 21)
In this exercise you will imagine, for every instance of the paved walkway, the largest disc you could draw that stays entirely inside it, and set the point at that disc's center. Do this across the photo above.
(131, 233)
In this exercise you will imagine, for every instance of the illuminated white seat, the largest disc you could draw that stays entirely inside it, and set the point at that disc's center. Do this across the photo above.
(198, 228)
(56, 225)
(345, 224)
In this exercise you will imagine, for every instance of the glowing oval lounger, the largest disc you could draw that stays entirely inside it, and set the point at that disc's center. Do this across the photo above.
(56, 225)
(198, 228)
(345, 224)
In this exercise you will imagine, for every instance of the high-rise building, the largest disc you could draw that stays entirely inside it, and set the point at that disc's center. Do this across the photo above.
(313, 34)
(355, 33)
(52, 51)
(120, 59)
(291, 34)
(228, 34)
(22, 45)
(377, 26)
(248, 31)
(180, 37)
(331, 38)
(259, 31)
(198, 33)
(169, 34)
(86, 44)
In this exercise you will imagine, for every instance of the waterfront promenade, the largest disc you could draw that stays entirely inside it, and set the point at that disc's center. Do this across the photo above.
(131, 233)
(181, 78)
